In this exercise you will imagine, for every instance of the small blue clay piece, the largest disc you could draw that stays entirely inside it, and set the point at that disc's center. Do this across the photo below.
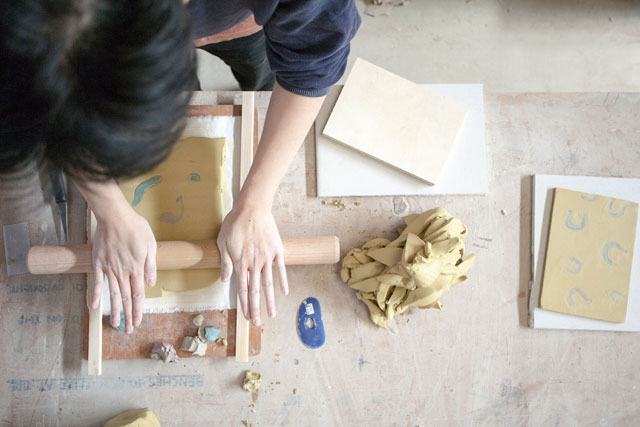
(121, 325)
(310, 326)
(211, 333)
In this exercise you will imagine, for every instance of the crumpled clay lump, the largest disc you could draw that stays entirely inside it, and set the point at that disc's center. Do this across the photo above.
(414, 270)
(252, 381)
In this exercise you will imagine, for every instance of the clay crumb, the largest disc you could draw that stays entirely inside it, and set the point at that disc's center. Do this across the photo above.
(295, 391)
(164, 351)
(339, 204)
(197, 321)
(324, 202)
(246, 423)
(222, 341)
(503, 212)
(252, 381)
(356, 203)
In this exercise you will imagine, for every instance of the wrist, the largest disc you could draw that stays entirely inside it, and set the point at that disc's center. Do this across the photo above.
(254, 197)
(113, 212)
(250, 203)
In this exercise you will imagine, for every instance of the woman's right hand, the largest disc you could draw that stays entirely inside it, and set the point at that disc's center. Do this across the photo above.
(124, 251)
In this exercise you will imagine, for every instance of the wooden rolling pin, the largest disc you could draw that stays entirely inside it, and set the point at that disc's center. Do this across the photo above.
(178, 255)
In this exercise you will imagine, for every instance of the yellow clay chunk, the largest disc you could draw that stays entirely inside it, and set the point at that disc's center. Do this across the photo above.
(414, 270)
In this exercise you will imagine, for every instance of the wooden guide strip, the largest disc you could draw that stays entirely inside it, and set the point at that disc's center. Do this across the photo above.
(95, 315)
(246, 158)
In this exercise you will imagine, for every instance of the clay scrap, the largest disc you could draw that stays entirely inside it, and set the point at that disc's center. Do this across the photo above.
(414, 270)
(199, 343)
(252, 381)
(211, 333)
(197, 321)
(134, 418)
(164, 351)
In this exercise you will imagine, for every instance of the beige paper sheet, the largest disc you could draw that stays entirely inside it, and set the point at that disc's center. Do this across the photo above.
(182, 199)
(395, 121)
(589, 255)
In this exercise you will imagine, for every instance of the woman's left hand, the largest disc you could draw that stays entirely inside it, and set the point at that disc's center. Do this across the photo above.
(250, 246)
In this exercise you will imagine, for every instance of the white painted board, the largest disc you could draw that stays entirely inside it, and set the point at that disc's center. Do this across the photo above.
(543, 185)
(342, 171)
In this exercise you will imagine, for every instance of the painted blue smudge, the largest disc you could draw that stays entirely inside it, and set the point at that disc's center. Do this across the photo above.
(589, 199)
(194, 177)
(613, 293)
(144, 186)
(607, 247)
(578, 266)
(581, 293)
(620, 212)
(572, 226)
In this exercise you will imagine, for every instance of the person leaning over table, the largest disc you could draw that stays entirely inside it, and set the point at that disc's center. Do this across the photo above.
(100, 88)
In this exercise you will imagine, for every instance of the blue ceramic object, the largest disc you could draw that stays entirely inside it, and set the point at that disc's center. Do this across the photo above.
(310, 326)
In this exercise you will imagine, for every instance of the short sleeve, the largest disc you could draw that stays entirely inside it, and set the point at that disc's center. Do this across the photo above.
(308, 43)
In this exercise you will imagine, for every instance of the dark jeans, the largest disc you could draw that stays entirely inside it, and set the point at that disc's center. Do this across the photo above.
(247, 57)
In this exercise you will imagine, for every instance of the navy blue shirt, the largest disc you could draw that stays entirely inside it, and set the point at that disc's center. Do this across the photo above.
(307, 40)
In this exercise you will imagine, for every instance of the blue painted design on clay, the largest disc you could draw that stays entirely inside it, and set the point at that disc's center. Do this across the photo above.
(310, 326)
(577, 268)
(613, 293)
(572, 226)
(211, 333)
(144, 186)
(170, 217)
(579, 292)
(593, 197)
(607, 247)
(194, 177)
(620, 212)
(120, 327)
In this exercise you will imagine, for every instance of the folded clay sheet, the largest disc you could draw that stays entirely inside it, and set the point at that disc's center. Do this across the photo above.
(589, 255)
(182, 199)
(414, 270)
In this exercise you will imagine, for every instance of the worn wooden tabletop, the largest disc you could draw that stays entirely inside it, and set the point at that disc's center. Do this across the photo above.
(473, 363)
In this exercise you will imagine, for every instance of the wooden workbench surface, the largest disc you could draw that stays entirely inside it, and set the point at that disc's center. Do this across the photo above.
(473, 363)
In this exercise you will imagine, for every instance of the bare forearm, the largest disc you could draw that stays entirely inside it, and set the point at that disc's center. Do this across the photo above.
(288, 120)
(104, 198)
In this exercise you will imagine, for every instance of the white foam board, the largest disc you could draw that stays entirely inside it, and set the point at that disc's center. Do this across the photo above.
(543, 185)
(342, 171)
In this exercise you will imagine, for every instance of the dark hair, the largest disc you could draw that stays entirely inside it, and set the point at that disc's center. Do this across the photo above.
(97, 87)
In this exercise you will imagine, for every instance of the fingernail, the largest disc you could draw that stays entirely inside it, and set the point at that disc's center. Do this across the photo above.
(152, 281)
(256, 322)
